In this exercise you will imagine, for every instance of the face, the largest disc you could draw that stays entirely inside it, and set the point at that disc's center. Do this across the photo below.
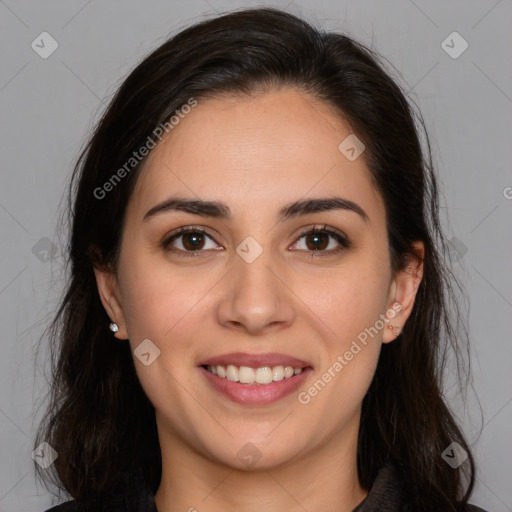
(252, 286)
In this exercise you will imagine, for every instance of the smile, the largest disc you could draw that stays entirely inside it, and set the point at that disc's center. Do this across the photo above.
(253, 393)
(263, 375)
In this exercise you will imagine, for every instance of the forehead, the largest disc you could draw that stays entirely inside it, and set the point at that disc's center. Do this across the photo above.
(255, 152)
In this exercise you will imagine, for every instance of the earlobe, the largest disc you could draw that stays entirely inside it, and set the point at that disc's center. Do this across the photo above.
(108, 290)
(403, 292)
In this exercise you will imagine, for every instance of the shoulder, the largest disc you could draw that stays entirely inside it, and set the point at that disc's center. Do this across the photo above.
(80, 506)
(130, 494)
(107, 504)
(94, 505)
(389, 493)
(69, 506)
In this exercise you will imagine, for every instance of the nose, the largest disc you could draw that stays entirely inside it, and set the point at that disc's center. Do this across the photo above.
(256, 297)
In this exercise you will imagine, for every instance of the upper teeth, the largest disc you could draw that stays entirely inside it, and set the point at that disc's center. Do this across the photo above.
(247, 375)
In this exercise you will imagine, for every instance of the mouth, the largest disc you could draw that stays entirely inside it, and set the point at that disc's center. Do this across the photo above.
(255, 379)
(261, 376)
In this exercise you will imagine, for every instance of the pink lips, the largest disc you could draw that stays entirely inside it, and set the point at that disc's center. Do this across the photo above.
(255, 394)
(249, 394)
(255, 360)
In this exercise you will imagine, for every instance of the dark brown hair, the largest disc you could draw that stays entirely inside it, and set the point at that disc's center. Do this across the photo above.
(99, 419)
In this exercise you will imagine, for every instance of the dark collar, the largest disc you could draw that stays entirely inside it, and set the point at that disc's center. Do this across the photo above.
(133, 493)
(385, 495)
(388, 494)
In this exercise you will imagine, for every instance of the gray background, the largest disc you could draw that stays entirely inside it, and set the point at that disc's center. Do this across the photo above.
(49, 105)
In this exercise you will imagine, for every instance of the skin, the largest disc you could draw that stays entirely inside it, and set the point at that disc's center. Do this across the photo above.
(256, 154)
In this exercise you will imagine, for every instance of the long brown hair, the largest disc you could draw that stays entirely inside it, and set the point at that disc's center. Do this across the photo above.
(99, 419)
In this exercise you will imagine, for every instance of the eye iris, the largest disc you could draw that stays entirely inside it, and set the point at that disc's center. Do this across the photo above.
(316, 237)
(196, 239)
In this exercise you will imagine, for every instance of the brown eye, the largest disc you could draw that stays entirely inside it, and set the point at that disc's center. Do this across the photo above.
(193, 241)
(188, 241)
(317, 241)
(322, 242)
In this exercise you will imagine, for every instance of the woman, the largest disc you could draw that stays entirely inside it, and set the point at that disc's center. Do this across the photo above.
(255, 222)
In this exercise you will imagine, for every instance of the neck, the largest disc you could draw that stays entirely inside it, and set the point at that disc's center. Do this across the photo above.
(323, 479)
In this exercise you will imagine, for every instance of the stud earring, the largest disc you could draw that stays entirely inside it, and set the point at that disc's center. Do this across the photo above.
(392, 327)
(113, 327)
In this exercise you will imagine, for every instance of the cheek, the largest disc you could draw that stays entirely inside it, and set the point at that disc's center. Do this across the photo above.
(347, 305)
(349, 350)
(346, 300)
(158, 309)
(164, 305)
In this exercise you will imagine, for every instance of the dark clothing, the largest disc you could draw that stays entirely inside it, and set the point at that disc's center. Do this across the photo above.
(132, 494)
(388, 495)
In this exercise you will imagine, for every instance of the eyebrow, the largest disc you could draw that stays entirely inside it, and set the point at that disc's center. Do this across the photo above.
(219, 210)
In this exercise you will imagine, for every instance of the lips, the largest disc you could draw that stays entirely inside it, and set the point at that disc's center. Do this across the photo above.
(255, 395)
(255, 360)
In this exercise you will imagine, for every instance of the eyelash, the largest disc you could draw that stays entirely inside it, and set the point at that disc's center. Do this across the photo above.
(341, 239)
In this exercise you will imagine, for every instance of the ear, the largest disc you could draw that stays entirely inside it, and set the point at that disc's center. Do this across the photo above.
(403, 292)
(110, 296)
